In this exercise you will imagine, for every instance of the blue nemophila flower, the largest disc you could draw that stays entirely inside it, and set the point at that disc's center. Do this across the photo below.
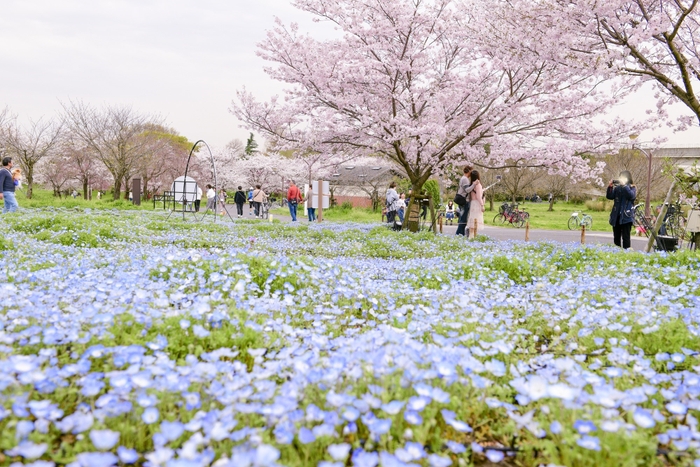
(584, 426)
(171, 430)
(104, 439)
(306, 436)
(97, 459)
(339, 452)
(361, 458)
(494, 456)
(412, 417)
(126, 455)
(677, 408)
(200, 331)
(589, 442)
(555, 427)
(28, 450)
(150, 415)
(643, 418)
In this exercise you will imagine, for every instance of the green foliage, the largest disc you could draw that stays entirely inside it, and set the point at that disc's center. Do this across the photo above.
(432, 188)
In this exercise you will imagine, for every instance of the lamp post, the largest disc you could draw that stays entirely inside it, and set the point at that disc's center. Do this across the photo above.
(647, 208)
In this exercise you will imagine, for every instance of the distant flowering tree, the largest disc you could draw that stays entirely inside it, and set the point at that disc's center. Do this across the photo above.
(429, 84)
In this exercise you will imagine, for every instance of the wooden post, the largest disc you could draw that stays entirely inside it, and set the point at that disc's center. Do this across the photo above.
(319, 197)
(660, 219)
(527, 231)
(473, 232)
(440, 221)
(583, 234)
(432, 214)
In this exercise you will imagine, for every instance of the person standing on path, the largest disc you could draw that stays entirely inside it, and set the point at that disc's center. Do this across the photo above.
(7, 184)
(464, 189)
(239, 198)
(211, 199)
(293, 199)
(259, 197)
(401, 207)
(623, 192)
(309, 202)
(222, 200)
(198, 199)
(250, 201)
(476, 205)
(392, 203)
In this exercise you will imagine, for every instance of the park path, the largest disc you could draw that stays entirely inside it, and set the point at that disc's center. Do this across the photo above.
(496, 233)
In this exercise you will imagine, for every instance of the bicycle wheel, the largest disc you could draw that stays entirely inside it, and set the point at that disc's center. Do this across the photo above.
(573, 223)
(499, 218)
(519, 221)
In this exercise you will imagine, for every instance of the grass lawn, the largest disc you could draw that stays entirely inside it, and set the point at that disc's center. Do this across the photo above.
(541, 218)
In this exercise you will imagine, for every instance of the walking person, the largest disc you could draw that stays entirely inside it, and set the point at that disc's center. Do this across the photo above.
(623, 192)
(392, 203)
(222, 201)
(250, 201)
(476, 205)
(464, 190)
(211, 199)
(7, 184)
(259, 197)
(239, 198)
(293, 199)
(309, 203)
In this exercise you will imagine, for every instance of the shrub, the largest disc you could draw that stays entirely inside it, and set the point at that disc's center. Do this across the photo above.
(599, 205)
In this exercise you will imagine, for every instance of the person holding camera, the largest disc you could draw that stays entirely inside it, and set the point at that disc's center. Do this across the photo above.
(623, 192)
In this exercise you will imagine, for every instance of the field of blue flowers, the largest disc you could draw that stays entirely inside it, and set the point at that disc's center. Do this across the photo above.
(129, 339)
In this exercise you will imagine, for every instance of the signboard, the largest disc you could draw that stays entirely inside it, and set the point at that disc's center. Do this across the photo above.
(325, 194)
(184, 189)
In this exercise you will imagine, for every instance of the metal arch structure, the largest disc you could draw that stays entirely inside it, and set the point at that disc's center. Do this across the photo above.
(216, 182)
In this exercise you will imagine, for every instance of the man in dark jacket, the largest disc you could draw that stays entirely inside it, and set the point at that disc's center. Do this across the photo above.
(624, 193)
(239, 198)
(7, 184)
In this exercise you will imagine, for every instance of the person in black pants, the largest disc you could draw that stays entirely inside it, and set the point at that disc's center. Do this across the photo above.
(465, 187)
(623, 192)
(239, 198)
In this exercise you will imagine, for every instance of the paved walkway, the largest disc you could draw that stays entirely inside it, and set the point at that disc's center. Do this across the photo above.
(497, 233)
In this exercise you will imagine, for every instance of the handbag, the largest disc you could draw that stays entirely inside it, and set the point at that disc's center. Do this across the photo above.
(460, 200)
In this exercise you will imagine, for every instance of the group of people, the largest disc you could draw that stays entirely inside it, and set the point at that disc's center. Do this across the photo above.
(471, 212)
(9, 180)
(256, 198)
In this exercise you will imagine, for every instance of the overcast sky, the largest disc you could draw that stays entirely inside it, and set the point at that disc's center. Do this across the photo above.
(180, 59)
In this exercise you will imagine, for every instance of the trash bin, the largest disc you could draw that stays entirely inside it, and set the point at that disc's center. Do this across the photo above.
(666, 243)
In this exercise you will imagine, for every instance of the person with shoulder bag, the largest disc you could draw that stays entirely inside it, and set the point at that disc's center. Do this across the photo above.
(259, 197)
(293, 199)
(392, 203)
(464, 190)
(623, 192)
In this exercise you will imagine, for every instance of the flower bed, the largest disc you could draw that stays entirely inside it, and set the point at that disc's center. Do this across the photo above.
(129, 339)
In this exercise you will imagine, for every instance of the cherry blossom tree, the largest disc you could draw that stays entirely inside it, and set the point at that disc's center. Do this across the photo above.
(430, 84)
(651, 40)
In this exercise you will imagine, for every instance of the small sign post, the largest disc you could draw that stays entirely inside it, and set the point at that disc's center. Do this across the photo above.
(321, 197)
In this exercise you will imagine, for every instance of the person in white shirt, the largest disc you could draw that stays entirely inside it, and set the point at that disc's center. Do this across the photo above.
(211, 199)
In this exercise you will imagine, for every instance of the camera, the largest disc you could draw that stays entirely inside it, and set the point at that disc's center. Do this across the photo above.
(616, 182)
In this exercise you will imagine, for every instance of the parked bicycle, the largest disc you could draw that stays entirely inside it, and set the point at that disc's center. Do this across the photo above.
(511, 214)
(674, 221)
(578, 219)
